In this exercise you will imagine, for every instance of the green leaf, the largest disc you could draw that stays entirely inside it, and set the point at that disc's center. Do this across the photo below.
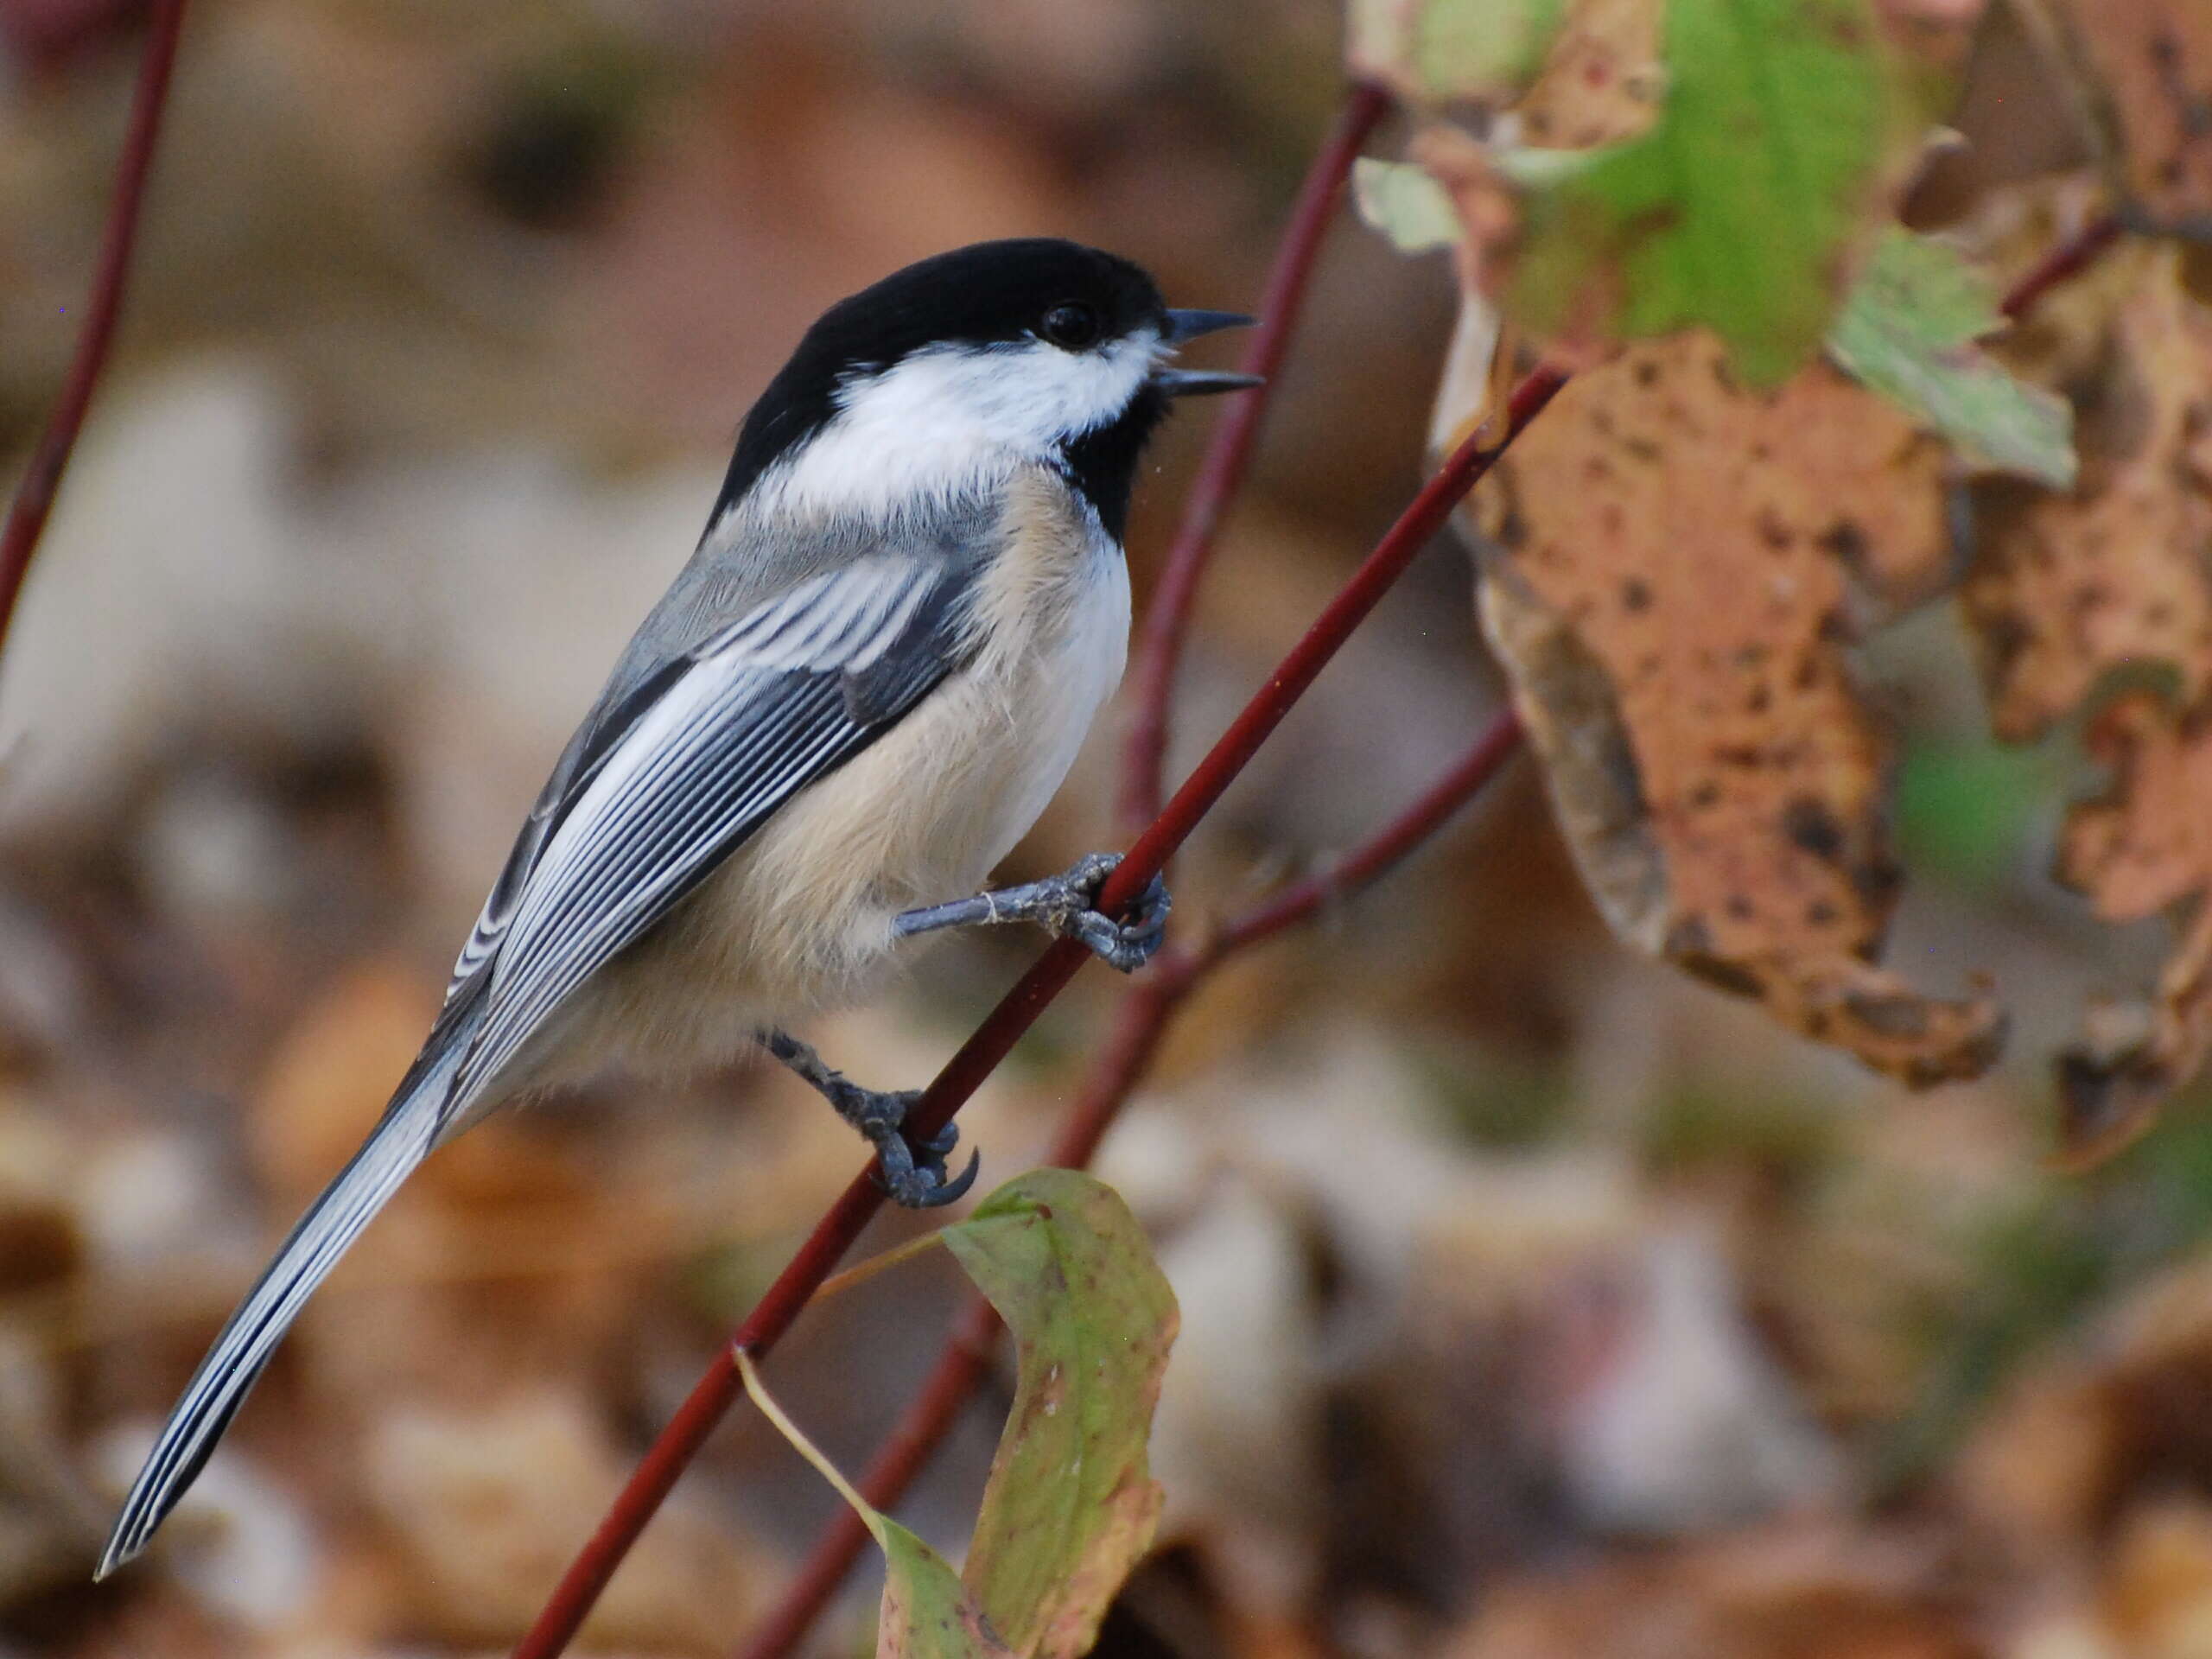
(1908, 331)
(1071, 1505)
(1451, 48)
(1405, 204)
(1735, 211)
(926, 1613)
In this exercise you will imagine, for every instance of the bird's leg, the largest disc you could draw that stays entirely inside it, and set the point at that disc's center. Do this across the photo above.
(913, 1174)
(1065, 905)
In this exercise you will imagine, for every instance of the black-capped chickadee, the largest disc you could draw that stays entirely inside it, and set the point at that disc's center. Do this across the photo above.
(908, 605)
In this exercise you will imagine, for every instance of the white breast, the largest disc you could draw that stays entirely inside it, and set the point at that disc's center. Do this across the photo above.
(1067, 631)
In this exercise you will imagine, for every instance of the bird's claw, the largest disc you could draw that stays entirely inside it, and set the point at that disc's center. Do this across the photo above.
(912, 1171)
(914, 1177)
(1123, 945)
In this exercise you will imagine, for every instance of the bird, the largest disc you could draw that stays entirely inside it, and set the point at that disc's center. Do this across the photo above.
(909, 601)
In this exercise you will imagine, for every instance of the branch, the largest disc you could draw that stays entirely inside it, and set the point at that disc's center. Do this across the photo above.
(1167, 618)
(42, 478)
(1376, 857)
(2069, 259)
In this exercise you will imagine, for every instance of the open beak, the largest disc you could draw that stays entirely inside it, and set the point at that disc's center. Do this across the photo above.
(1189, 325)
(1184, 326)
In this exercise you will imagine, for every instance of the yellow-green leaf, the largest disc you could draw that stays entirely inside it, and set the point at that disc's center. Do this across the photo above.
(1071, 1505)
(1908, 331)
(926, 1613)
(1736, 210)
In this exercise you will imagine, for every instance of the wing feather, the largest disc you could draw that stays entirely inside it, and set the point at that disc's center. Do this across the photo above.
(634, 821)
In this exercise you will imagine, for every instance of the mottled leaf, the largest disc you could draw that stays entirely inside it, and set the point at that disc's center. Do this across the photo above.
(1678, 565)
(1071, 1505)
(1601, 81)
(2067, 589)
(2104, 593)
(926, 1611)
(2142, 850)
(1737, 209)
(1909, 331)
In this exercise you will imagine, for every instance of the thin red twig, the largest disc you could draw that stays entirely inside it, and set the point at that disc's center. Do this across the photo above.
(1374, 856)
(1139, 1026)
(719, 1388)
(41, 479)
(2070, 259)
(1167, 618)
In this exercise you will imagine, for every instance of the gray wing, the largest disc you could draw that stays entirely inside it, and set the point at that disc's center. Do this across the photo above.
(652, 795)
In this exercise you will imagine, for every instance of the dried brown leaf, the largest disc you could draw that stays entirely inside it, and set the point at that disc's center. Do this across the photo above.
(2067, 588)
(2079, 1449)
(2143, 849)
(1678, 562)
(2111, 581)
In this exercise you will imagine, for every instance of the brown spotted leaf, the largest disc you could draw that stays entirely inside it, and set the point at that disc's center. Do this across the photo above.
(1070, 1505)
(2068, 587)
(1679, 563)
(1601, 80)
(1576, 72)
(1637, 170)
(2105, 591)
(2144, 849)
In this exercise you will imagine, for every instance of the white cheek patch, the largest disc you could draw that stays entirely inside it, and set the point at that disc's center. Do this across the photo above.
(948, 419)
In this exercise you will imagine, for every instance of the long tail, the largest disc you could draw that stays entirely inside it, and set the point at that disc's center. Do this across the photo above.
(401, 1139)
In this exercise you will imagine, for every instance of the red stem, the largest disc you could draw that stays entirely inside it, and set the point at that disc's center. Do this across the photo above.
(649, 1484)
(1167, 618)
(2070, 259)
(42, 478)
(1374, 856)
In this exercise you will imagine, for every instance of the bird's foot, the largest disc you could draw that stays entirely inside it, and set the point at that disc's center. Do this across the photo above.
(1065, 905)
(913, 1173)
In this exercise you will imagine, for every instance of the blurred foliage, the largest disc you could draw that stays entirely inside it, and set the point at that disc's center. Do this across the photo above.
(1535, 1300)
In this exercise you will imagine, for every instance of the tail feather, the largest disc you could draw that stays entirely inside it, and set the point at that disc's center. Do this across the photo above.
(401, 1139)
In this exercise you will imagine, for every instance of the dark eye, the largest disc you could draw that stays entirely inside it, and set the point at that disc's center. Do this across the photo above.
(1070, 326)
